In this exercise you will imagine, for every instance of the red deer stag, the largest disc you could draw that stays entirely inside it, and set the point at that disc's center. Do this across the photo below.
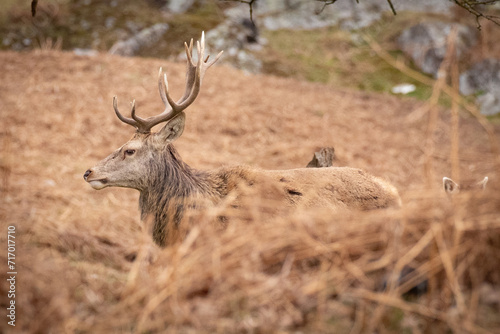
(149, 163)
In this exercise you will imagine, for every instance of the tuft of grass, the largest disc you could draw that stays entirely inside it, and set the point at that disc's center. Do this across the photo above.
(7, 5)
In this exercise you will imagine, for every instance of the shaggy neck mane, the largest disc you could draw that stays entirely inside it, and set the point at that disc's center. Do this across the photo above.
(171, 186)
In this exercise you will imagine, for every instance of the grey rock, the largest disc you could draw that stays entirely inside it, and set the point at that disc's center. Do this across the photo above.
(238, 38)
(145, 38)
(110, 22)
(134, 27)
(85, 52)
(483, 78)
(307, 14)
(179, 6)
(425, 43)
(85, 24)
(232, 37)
(490, 103)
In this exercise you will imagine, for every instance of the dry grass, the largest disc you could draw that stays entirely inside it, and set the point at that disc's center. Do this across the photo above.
(87, 265)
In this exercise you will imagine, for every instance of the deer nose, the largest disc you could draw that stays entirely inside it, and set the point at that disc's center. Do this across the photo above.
(86, 175)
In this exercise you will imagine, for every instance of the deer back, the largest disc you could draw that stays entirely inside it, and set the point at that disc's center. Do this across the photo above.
(334, 187)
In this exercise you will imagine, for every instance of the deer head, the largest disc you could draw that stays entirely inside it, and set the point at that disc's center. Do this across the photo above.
(131, 165)
(451, 187)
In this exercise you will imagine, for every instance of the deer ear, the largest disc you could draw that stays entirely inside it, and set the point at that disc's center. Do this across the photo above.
(449, 185)
(173, 129)
(482, 184)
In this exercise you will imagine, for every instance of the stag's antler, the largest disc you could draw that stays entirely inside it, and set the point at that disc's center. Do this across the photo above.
(194, 77)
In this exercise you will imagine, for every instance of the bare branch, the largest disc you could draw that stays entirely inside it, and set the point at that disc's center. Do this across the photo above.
(331, 2)
(468, 5)
(34, 3)
(250, 5)
(326, 3)
(392, 7)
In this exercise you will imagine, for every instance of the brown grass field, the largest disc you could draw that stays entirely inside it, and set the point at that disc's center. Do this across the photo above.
(86, 265)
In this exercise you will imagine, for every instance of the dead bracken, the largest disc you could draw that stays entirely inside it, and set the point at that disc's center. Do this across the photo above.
(86, 263)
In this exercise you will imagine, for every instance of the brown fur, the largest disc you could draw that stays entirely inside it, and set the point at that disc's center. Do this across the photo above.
(334, 187)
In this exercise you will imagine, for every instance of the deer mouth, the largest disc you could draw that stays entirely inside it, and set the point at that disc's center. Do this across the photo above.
(98, 184)
(95, 183)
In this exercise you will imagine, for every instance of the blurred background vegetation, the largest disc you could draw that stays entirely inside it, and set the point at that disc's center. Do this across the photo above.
(329, 55)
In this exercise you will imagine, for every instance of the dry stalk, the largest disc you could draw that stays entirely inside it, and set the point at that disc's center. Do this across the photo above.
(5, 168)
(431, 268)
(432, 105)
(454, 136)
(359, 317)
(393, 301)
(448, 266)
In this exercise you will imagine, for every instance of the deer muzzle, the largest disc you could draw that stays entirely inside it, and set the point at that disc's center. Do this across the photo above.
(94, 183)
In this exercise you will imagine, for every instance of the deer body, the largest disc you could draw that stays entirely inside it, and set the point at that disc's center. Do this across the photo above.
(168, 187)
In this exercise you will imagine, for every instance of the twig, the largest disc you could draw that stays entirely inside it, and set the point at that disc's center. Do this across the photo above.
(34, 3)
(447, 261)
(250, 4)
(392, 7)
(331, 2)
(455, 140)
(326, 3)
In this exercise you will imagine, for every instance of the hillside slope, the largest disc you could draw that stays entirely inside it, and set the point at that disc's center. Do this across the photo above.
(58, 121)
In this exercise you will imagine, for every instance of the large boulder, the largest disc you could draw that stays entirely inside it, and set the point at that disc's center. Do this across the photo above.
(483, 78)
(238, 38)
(308, 14)
(143, 39)
(425, 43)
(179, 6)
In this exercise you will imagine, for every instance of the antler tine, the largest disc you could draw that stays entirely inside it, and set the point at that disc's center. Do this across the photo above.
(213, 61)
(160, 88)
(132, 113)
(189, 52)
(120, 116)
(142, 125)
(171, 103)
(200, 47)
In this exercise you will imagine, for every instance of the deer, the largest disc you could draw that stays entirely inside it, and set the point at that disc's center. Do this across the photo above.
(451, 187)
(168, 187)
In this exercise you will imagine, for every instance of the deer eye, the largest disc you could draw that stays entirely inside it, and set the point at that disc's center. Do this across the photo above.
(129, 152)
